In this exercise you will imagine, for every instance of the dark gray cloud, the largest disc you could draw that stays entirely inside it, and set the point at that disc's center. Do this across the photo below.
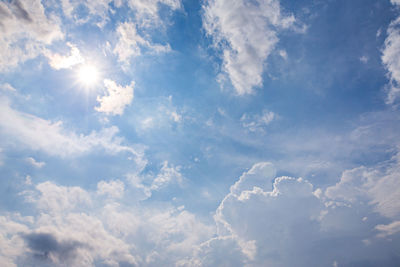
(20, 11)
(45, 246)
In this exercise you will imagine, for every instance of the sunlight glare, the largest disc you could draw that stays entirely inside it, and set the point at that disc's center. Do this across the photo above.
(88, 75)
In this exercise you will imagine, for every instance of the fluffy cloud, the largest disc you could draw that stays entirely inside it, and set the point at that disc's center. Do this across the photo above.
(114, 189)
(247, 33)
(284, 221)
(117, 98)
(58, 61)
(130, 43)
(25, 31)
(378, 187)
(65, 231)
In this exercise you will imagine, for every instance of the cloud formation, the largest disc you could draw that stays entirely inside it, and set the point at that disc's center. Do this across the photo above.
(25, 31)
(36, 133)
(258, 122)
(65, 231)
(58, 61)
(285, 221)
(246, 33)
(116, 99)
(130, 43)
(391, 59)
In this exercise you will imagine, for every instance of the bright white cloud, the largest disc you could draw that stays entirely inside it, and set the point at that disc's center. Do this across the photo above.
(51, 137)
(281, 221)
(25, 31)
(116, 99)
(64, 231)
(114, 189)
(246, 31)
(58, 61)
(379, 187)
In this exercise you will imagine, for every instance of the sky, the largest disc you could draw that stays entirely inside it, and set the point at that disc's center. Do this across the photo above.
(200, 133)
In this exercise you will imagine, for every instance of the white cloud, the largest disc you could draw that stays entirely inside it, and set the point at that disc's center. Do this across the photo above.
(97, 11)
(146, 184)
(364, 59)
(146, 11)
(51, 137)
(175, 116)
(270, 221)
(65, 231)
(247, 33)
(168, 174)
(283, 54)
(389, 229)
(130, 43)
(379, 187)
(53, 198)
(114, 189)
(25, 31)
(33, 162)
(58, 61)
(117, 98)
(391, 59)
(257, 123)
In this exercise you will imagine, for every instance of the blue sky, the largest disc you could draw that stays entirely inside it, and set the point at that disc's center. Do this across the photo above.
(199, 133)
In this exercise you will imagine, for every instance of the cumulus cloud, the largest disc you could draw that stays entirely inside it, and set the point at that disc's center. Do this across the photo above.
(58, 61)
(107, 234)
(25, 31)
(117, 98)
(46, 246)
(379, 187)
(246, 32)
(130, 43)
(114, 189)
(285, 221)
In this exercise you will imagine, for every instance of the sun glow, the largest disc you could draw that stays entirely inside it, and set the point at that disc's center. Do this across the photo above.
(88, 75)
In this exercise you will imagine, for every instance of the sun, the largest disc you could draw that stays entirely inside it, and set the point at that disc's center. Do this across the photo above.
(88, 75)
